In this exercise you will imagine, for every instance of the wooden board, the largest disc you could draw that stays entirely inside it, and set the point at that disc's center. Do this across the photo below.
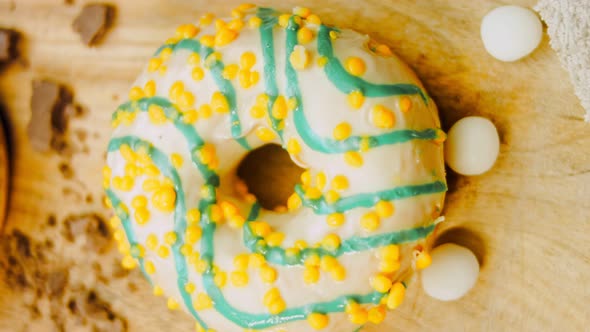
(527, 219)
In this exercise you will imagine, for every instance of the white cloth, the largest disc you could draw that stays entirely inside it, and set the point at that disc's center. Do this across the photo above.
(568, 26)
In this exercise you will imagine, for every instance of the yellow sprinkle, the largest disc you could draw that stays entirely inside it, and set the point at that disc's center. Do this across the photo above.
(235, 13)
(340, 182)
(228, 208)
(186, 250)
(237, 221)
(306, 178)
(241, 262)
(156, 114)
(190, 288)
(356, 99)
(311, 275)
(423, 260)
(353, 158)
(312, 260)
(131, 170)
(384, 209)
(230, 71)
(162, 70)
(265, 134)
(245, 7)
(277, 306)
(293, 146)
(376, 314)
(257, 112)
(187, 31)
(239, 278)
(279, 108)
(136, 93)
(300, 244)
(206, 19)
(194, 59)
(405, 103)
(302, 11)
(220, 24)
(154, 64)
(219, 102)
(313, 193)
(370, 221)
(172, 304)
(220, 279)
(235, 25)
(304, 35)
(164, 199)
(268, 274)
(127, 153)
(314, 19)
(208, 40)
(163, 251)
(333, 35)
(150, 185)
(201, 265)
(128, 262)
(142, 215)
(294, 202)
(389, 266)
(383, 117)
(245, 79)
(331, 242)
(170, 238)
(254, 22)
(176, 89)
(275, 239)
(358, 316)
(300, 57)
(318, 321)
(225, 36)
(198, 74)
(328, 263)
(150, 88)
(207, 153)
(260, 228)
(338, 273)
(151, 241)
(270, 296)
(158, 291)
(396, 295)
(202, 302)
(440, 137)
(138, 201)
(284, 20)
(256, 260)
(176, 160)
(335, 219)
(331, 196)
(185, 100)
(342, 131)
(215, 213)
(381, 283)
(150, 268)
(254, 78)
(247, 60)
(115, 222)
(389, 252)
(292, 104)
(356, 66)
(322, 61)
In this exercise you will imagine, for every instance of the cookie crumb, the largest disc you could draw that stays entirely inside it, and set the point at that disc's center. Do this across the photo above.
(93, 22)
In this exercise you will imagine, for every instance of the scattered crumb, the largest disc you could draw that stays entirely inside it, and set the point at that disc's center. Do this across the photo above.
(93, 22)
(66, 170)
(48, 123)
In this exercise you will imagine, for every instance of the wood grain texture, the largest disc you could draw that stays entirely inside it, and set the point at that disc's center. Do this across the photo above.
(527, 219)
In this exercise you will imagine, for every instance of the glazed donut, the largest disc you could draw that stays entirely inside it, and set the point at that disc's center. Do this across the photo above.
(343, 106)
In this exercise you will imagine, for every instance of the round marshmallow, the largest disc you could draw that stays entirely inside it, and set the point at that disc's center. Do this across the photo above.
(452, 274)
(472, 146)
(511, 32)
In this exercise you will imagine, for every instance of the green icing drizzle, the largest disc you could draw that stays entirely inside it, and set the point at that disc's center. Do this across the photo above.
(320, 206)
(161, 160)
(224, 85)
(124, 217)
(340, 77)
(347, 83)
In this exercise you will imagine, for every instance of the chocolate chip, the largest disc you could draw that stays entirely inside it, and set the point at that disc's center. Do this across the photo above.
(8, 45)
(47, 122)
(93, 21)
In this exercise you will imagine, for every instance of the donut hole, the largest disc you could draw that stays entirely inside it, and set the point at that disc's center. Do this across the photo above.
(270, 175)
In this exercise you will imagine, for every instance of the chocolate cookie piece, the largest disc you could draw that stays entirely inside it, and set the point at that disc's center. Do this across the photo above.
(48, 121)
(93, 22)
(8, 45)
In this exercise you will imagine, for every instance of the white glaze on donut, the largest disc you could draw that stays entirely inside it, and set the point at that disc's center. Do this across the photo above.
(416, 166)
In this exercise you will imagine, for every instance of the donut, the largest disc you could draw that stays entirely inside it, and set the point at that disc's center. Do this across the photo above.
(343, 106)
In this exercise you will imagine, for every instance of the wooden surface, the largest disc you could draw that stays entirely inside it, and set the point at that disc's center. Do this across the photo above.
(528, 219)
